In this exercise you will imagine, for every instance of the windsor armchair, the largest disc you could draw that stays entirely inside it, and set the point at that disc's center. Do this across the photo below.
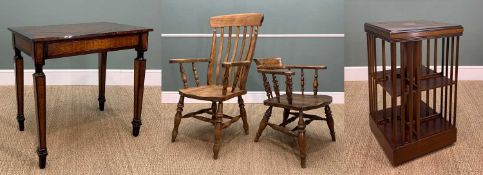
(230, 62)
(292, 102)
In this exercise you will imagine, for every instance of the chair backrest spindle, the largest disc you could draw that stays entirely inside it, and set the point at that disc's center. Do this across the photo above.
(276, 87)
(195, 74)
(229, 51)
(302, 81)
(220, 54)
(316, 81)
(288, 91)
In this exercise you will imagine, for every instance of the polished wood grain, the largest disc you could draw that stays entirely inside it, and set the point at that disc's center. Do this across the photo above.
(417, 122)
(412, 30)
(76, 31)
(245, 19)
(211, 93)
(292, 102)
(55, 41)
(228, 66)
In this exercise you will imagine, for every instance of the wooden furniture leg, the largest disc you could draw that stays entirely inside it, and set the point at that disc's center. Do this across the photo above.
(243, 114)
(301, 139)
(286, 112)
(139, 72)
(40, 105)
(213, 110)
(177, 118)
(19, 84)
(330, 121)
(218, 128)
(102, 79)
(263, 123)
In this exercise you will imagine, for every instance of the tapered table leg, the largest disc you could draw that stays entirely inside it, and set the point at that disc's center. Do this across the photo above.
(40, 105)
(102, 79)
(19, 83)
(139, 72)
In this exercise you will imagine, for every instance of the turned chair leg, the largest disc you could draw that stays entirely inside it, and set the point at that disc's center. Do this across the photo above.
(218, 128)
(177, 118)
(213, 110)
(243, 114)
(330, 121)
(301, 139)
(286, 112)
(263, 123)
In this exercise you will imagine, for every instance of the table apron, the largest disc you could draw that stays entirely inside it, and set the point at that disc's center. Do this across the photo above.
(86, 46)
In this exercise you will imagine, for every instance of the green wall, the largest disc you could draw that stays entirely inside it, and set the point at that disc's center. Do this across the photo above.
(189, 16)
(287, 17)
(45, 12)
(465, 12)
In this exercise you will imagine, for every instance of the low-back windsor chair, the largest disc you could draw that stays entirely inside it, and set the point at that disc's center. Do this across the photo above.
(230, 62)
(289, 101)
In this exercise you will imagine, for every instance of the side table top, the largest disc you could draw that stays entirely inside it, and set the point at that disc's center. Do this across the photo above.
(413, 30)
(76, 31)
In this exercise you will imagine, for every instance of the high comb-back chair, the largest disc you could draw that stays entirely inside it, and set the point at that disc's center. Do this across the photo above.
(229, 62)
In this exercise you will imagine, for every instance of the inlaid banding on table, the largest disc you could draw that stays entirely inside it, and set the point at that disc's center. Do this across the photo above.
(68, 48)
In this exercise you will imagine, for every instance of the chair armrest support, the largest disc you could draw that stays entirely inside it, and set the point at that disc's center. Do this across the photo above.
(316, 69)
(193, 61)
(244, 65)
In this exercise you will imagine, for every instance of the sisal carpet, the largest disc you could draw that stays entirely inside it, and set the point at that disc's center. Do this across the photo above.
(363, 154)
(83, 140)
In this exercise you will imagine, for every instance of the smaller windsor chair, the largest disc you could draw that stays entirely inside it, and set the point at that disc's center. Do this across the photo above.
(292, 102)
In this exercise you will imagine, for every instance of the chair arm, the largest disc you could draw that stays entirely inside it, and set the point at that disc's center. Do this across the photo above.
(276, 71)
(306, 67)
(188, 60)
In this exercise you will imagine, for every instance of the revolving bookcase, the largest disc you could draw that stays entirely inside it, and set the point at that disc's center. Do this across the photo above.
(413, 75)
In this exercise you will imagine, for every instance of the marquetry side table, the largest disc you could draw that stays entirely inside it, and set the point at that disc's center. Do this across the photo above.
(56, 41)
(415, 64)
